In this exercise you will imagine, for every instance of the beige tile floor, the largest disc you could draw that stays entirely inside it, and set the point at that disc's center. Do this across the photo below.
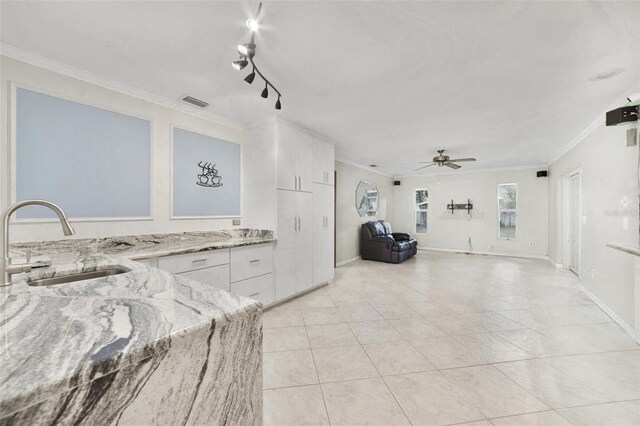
(448, 339)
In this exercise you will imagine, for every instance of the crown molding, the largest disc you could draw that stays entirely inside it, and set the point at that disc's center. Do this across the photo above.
(469, 172)
(594, 125)
(362, 166)
(582, 136)
(52, 65)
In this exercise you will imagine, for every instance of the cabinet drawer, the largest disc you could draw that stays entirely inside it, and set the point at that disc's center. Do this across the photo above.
(258, 288)
(190, 261)
(218, 276)
(251, 261)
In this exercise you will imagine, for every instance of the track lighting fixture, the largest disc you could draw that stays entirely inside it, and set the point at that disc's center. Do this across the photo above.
(247, 52)
(247, 49)
(240, 64)
(250, 77)
(253, 25)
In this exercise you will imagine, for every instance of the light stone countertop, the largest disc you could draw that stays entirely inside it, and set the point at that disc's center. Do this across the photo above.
(59, 337)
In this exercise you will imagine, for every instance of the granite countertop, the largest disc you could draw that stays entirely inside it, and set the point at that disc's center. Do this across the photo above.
(630, 248)
(57, 337)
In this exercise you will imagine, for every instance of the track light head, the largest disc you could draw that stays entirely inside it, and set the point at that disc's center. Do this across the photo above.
(247, 49)
(250, 77)
(253, 25)
(278, 104)
(240, 64)
(265, 92)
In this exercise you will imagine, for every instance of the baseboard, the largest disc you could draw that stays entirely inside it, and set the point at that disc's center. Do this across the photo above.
(615, 317)
(293, 296)
(346, 262)
(487, 253)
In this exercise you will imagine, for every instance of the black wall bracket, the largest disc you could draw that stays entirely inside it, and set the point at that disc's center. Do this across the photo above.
(468, 206)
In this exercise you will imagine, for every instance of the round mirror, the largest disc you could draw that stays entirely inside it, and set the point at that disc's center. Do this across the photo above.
(367, 199)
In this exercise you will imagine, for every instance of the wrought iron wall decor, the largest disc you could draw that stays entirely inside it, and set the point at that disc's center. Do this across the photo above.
(209, 176)
(468, 206)
(247, 52)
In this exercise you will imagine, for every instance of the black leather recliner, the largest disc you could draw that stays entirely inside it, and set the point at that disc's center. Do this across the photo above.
(379, 242)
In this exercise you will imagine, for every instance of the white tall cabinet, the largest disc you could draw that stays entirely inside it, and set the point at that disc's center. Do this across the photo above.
(288, 186)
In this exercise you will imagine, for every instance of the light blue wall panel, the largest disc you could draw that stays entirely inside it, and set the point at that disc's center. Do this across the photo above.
(90, 161)
(198, 192)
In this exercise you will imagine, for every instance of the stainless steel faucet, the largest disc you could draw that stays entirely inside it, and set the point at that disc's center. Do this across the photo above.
(6, 268)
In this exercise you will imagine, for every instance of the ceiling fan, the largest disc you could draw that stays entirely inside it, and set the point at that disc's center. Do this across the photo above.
(444, 160)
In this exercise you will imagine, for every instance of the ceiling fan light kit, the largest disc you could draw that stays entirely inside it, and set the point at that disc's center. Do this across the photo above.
(247, 52)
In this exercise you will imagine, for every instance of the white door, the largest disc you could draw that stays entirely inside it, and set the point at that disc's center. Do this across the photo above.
(574, 223)
(287, 232)
(304, 241)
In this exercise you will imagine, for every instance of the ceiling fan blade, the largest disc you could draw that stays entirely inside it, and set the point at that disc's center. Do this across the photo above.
(453, 166)
(457, 160)
(424, 167)
(425, 162)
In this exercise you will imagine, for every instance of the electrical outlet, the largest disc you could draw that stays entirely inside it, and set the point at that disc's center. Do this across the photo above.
(625, 222)
(593, 273)
(236, 222)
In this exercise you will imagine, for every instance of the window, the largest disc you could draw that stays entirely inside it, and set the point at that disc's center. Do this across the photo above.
(507, 199)
(421, 204)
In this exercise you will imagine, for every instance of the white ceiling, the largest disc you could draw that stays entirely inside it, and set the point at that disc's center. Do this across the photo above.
(390, 82)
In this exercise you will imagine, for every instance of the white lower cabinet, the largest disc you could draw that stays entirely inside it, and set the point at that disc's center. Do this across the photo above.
(246, 270)
(257, 288)
(294, 246)
(217, 276)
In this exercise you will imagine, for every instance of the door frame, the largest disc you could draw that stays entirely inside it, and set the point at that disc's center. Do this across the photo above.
(567, 220)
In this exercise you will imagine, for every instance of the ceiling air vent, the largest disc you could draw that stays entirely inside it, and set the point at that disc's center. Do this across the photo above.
(196, 102)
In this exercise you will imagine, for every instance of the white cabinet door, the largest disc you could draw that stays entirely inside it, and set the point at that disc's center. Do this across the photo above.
(304, 162)
(304, 242)
(286, 146)
(319, 235)
(323, 162)
(286, 244)
(323, 234)
(319, 168)
(330, 237)
(330, 163)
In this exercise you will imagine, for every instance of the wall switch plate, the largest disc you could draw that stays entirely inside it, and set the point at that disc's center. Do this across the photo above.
(625, 222)
(236, 222)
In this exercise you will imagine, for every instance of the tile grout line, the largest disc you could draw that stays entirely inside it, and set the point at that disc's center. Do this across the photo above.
(315, 366)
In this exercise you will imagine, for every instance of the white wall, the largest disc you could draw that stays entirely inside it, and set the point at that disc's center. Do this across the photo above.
(348, 221)
(609, 202)
(452, 231)
(161, 117)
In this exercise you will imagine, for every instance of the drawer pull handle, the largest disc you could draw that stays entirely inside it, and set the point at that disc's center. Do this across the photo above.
(198, 260)
(254, 261)
(254, 294)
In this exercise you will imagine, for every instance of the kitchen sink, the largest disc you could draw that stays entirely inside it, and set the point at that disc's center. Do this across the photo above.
(76, 277)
